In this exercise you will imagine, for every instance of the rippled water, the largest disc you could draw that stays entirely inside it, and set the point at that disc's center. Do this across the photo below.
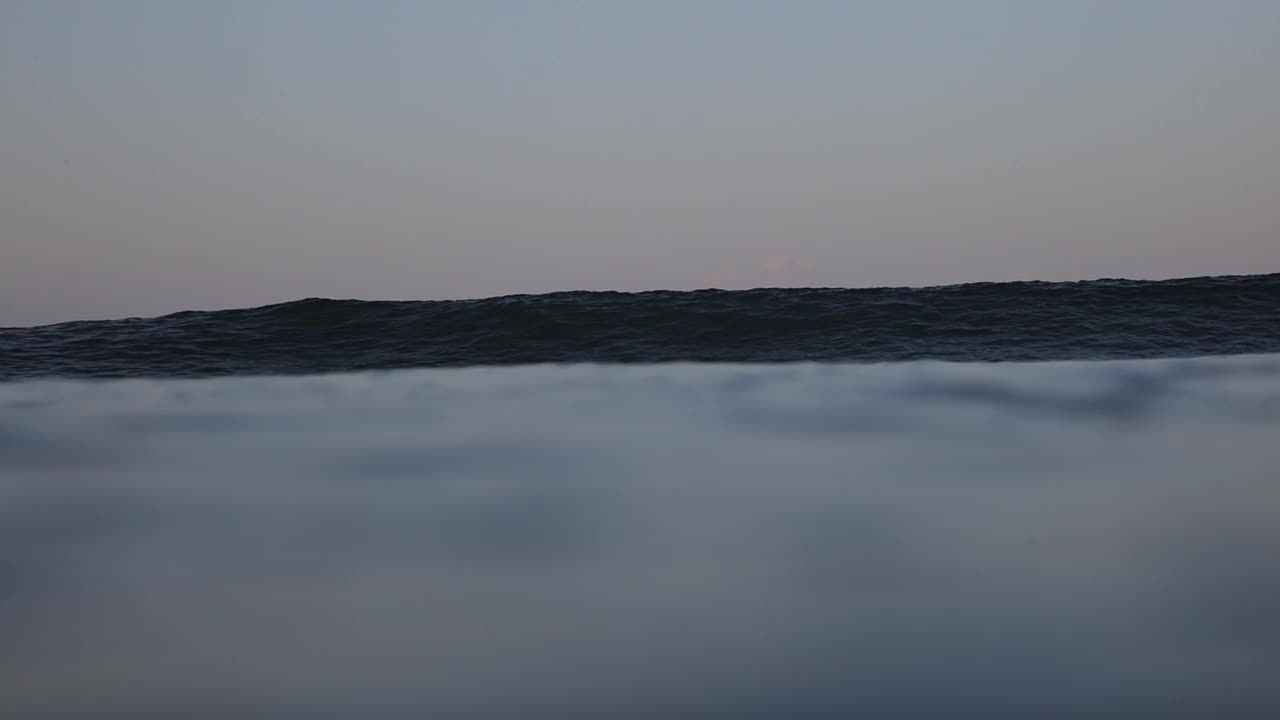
(910, 540)
(1101, 319)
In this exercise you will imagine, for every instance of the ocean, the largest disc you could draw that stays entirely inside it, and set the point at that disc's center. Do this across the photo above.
(1095, 320)
(1049, 500)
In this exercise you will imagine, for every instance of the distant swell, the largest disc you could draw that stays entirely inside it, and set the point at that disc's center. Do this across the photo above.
(1102, 319)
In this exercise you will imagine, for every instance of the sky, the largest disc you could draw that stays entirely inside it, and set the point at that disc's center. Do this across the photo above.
(158, 156)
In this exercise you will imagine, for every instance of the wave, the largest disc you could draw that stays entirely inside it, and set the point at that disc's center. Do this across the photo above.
(1088, 320)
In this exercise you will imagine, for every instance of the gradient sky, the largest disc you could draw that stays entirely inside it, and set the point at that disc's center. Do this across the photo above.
(163, 156)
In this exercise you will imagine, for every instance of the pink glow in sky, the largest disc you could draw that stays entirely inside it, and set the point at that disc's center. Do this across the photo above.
(164, 156)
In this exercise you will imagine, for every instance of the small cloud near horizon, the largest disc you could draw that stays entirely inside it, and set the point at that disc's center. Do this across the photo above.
(773, 270)
(775, 264)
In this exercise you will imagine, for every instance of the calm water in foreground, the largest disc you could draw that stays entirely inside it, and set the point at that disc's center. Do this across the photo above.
(909, 540)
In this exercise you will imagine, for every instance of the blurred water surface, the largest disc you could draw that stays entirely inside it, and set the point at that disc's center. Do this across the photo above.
(911, 540)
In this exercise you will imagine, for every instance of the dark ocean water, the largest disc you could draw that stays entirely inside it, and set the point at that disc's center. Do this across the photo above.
(898, 540)
(1101, 319)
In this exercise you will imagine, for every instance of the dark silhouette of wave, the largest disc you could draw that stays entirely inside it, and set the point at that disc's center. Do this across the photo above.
(1100, 319)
